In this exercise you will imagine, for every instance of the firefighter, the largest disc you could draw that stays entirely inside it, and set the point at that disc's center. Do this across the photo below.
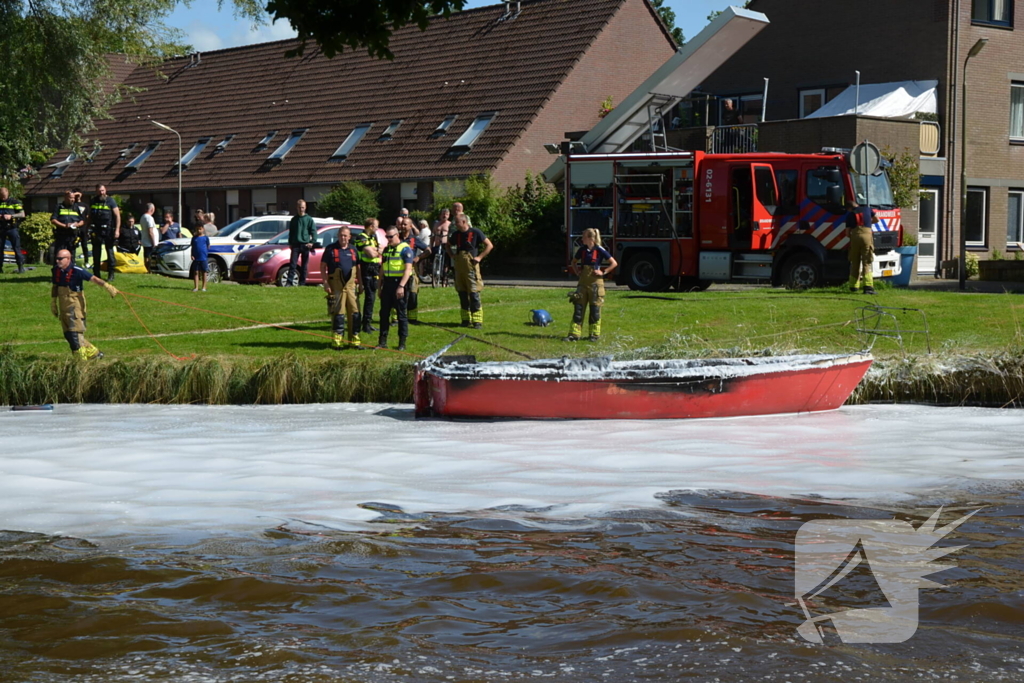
(588, 263)
(10, 211)
(465, 247)
(862, 247)
(369, 267)
(339, 271)
(396, 271)
(67, 303)
(67, 219)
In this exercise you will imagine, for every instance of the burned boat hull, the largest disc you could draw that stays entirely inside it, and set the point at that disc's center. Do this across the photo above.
(567, 388)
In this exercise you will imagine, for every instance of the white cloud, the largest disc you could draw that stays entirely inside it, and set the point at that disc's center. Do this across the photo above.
(202, 38)
(243, 34)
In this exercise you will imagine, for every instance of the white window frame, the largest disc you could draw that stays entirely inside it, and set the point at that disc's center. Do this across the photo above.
(811, 91)
(145, 154)
(265, 142)
(1017, 99)
(353, 138)
(196, 150)
(445, 124)
(223, 144)
(293, 139)
(1015, 233)
(466, 141)
(389, 132)
(984, 216)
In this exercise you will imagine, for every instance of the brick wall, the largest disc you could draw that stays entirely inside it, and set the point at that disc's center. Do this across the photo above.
(631, 47)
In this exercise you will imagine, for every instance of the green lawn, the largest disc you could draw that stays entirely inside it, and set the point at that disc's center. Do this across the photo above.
(668, 323)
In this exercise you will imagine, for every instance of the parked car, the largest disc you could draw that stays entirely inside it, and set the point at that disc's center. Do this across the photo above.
(269, 262)
(8, 256)
(174, 257)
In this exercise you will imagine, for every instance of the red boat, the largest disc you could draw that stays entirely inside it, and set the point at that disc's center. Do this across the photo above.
(601, 388)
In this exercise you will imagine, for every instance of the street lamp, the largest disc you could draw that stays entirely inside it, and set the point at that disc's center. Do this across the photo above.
(181, 220)
(962, 270)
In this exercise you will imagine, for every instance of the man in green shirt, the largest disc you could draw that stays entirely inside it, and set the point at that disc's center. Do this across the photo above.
(301, 237)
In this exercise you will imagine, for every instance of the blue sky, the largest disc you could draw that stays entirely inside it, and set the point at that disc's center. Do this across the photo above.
(208, 28)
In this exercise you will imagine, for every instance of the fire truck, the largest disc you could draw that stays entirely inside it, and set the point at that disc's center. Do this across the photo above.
(690, 219)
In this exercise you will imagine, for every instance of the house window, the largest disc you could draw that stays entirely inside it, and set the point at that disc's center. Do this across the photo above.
(1017, 112)
(443, 127)
(1015, 219)
(739, 109)
(811, 101)
(262, 144)
(141, 159)
(389, 131)
(977, 211)
(286, 146)
(998, 12)
(475, 130)
(350, 143)
(194, 152)
(223, 144)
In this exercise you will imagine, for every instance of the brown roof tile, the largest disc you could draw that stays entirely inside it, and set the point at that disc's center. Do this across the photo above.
(465, 65)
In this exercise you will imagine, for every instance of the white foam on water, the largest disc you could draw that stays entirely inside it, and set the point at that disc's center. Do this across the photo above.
(91, 470)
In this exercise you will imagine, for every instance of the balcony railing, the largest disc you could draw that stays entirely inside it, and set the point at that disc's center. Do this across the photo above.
(733, 139)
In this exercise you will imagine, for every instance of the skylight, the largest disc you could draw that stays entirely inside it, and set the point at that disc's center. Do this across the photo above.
(350, 143)
(141, 159)
(389, 131)
(123, 154)
(475, 130)
(443, 127)
(262, 144)
(61, 166)
(287, 145)
(194, 152)
(222, 145)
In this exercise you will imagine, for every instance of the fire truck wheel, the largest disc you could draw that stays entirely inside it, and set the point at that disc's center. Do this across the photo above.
(644, 272)
(802, 271)
(691, 284)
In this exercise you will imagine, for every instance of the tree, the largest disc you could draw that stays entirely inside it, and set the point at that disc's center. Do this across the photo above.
(338, 24)
(668, 17)
(350, 201)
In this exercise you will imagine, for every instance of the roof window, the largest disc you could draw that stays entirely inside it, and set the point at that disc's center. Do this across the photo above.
(145, 154)
(194, 152)
(389, 131)
(223, 144)
(123, 154)
(93, 154)
(350, 143)
(475, 130)
(60, 166)
(262, 144)
(287, 145)
(443, 127)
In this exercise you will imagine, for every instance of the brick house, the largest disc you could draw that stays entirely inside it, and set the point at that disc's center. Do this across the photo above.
(810, 53)
(482, 91)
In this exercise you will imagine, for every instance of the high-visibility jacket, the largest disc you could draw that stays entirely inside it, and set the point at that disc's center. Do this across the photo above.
(394, 265)
(363, 240)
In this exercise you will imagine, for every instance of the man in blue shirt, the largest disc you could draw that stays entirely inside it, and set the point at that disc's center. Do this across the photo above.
(67, 303)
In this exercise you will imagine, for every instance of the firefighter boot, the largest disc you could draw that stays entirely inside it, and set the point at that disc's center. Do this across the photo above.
(353, 337)
(401, 343)
(88, 352)
(382, 341)
(338, 327)
(574, 332)
(595, 331)
(477, 317)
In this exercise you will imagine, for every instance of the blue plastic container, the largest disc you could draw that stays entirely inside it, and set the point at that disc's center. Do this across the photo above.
(907, 255)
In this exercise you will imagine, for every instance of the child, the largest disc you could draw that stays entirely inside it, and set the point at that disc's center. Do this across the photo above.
(200, 254)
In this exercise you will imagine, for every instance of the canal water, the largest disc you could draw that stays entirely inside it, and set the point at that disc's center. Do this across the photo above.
(353, 543)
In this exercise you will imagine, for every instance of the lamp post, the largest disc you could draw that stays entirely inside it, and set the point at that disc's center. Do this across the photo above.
(181, 220)
(962, 269)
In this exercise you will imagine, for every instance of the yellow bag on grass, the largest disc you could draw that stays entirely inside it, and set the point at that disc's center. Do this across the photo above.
(128, 262)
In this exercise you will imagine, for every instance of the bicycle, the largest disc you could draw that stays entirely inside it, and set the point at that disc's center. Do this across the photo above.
(442, 269)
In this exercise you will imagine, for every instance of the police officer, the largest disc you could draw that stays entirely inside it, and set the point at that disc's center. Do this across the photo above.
(589, 265)
(67, 303)
(862, 247)
(339, 271)
(104, 222)
(369, 268)
(396, 271)
(67, 219)
(10, 211)
(83, 230)
(465, 247)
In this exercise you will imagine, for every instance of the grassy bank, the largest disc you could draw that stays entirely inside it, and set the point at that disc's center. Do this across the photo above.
(976, 339)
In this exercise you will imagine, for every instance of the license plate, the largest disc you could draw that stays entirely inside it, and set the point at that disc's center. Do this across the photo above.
(241, 268)
(887, 273)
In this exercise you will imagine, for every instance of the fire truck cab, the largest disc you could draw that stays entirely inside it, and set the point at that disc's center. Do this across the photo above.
(690, 219)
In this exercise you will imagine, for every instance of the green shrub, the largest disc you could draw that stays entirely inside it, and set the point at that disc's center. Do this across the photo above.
(909, 239)
(904, 176)
(36, 235)
(997, 255)
(418, 216)
(972, 265)
(350, 201)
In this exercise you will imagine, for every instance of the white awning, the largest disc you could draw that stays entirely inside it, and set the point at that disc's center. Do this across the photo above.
(889, 100)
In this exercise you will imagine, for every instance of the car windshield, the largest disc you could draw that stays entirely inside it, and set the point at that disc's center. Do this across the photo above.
(878, 193)
(280, 239)
(231, 228)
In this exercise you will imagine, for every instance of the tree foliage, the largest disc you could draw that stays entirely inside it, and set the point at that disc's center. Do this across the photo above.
(350, 201)
(356, 24)
(668, 17)
(904, 177)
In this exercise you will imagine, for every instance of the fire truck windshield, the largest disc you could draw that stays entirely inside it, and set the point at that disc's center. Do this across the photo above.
(877, 189)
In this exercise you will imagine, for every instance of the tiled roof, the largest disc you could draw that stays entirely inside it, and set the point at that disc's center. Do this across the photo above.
(466, 65)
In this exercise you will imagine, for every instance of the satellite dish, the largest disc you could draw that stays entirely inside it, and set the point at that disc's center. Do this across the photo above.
(865, 159)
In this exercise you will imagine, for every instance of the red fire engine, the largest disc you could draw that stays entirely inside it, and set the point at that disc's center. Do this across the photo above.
(689, 219)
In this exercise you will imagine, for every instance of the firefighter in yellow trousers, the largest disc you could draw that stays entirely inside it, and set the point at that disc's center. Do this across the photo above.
(589, 265)
(67, 303)
(340, 273)
(862, 247)
(469, 247)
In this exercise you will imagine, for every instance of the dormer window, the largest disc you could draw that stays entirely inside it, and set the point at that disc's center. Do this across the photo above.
(194, 152)
(475, 130)
(287, 145)
(145, 154)
(389, 131)
(262, 144)
(350, 143)
(443, 127)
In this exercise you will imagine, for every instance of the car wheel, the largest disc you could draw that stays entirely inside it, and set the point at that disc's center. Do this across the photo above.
(282, 277)
(644, 272)
(802, 271)
(216, 272)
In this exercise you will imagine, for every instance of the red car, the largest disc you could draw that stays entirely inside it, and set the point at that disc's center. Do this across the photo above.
(268, 263)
